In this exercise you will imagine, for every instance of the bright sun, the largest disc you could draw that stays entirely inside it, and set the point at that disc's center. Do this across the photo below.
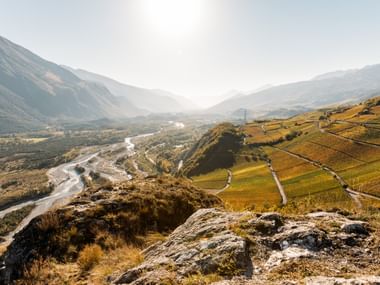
(174, 17)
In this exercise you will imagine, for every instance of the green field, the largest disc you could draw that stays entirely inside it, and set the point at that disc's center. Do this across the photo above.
(364, 178)
(252, 187)
(213, 180)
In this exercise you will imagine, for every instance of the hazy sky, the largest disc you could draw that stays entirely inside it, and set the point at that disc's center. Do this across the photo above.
(198, 47)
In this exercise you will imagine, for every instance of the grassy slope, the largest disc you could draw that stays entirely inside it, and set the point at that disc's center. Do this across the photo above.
(22, 185)
(216, 149)
(252, 187)
(216, 179)
(358, 164)
(304, 183)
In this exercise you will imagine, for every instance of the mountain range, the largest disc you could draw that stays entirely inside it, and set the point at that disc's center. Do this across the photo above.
(149, 100)
(341, 87)
(35, 93)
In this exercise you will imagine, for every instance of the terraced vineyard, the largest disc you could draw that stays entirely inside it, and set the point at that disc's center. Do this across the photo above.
(323, 159)
(360, 122)
(304, 182)
(252, 187)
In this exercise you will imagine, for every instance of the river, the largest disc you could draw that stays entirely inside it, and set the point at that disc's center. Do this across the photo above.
(67, 182)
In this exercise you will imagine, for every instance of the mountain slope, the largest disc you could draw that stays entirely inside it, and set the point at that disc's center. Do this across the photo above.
(152, 100)
(214, 150)
(34, 91)
(333, 88)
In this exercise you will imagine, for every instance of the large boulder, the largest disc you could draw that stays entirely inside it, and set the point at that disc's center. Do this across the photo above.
(248, 248)
(203, 244)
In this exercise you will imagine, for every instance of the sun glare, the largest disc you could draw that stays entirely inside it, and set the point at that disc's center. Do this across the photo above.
(174, 17)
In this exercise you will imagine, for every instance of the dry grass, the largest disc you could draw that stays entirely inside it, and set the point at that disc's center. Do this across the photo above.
(90, 256)
(49, 221)
(48, 271)
(199, 279)
(98, 266)
(22, 185)
(3, 248)
(115, 262)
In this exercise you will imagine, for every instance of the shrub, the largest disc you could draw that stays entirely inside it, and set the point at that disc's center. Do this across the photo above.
(49, 221)
(89, 256)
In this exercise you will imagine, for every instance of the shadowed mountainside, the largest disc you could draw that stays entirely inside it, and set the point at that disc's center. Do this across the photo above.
(214, 150)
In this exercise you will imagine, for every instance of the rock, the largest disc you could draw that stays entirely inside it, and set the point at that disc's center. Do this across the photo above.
(274, 217)
(98, 210)
(203, 244)
(267, 223)
(289, 253)
(330, 215)
(244, 249)
(362, 280)
(302, 234)
(355, 227)
(160, 276)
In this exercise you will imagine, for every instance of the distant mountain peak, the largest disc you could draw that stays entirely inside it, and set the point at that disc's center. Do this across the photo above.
(348, 86)
(152, 100)
(34, 92)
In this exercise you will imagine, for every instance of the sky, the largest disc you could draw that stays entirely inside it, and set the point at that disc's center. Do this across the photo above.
(198, 48)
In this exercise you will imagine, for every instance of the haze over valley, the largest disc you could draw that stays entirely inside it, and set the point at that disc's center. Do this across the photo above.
(181, 142)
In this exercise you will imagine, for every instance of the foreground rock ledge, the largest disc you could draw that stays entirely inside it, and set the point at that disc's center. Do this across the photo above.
(247, 248)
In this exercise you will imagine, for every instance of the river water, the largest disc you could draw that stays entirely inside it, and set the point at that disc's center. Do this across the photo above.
(68, 183)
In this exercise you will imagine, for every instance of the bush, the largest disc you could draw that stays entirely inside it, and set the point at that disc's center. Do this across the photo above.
(90, 256)
(49, 221)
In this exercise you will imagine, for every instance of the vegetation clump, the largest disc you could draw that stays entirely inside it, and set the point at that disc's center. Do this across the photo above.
(90, 256)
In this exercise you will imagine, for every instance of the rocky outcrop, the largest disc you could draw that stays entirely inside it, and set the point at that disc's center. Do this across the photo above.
(126, 210)
(204, 244)
(248, 248)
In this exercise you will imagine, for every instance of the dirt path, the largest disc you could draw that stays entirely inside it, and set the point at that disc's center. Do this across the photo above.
(353, 194)
(228, 184)
(279, 185)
